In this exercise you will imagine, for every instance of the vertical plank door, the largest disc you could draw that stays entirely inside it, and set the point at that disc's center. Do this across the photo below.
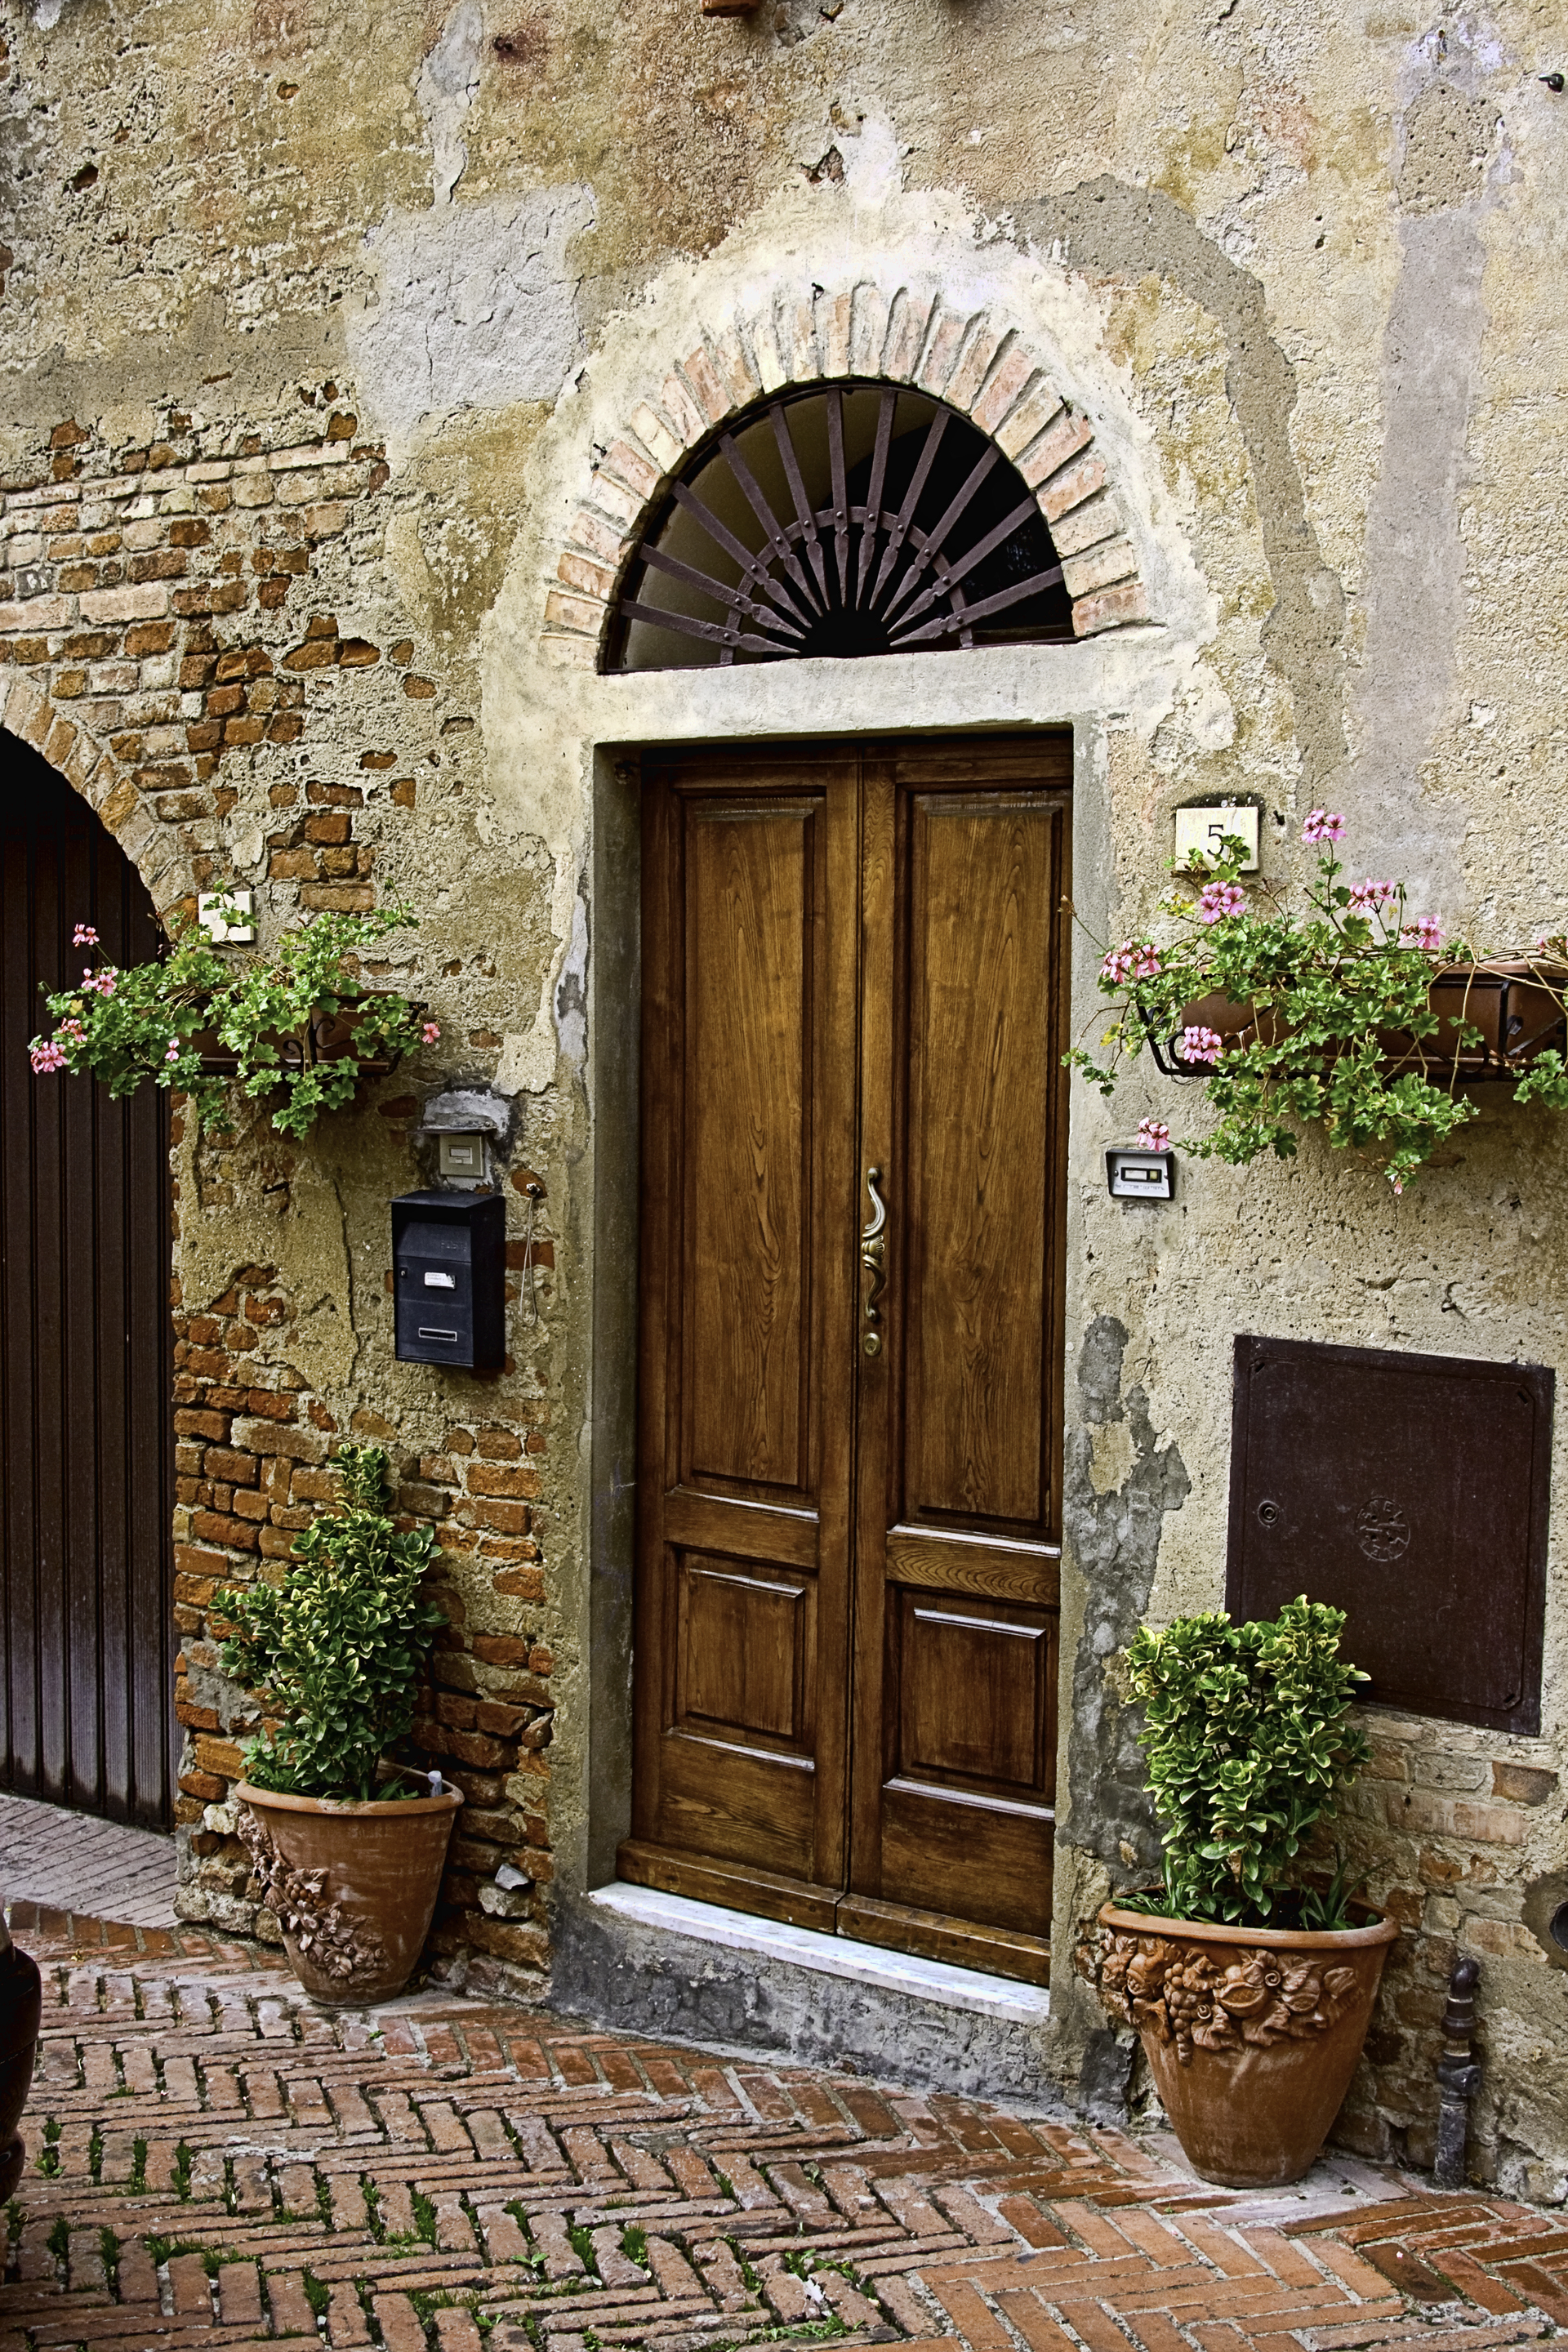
(750, 900)
(959, 1517)
(86, 1376)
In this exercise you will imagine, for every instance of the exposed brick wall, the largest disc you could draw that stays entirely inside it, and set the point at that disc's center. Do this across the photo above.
(171, 639)
(1448, 1823)
(159, 604)
(253, 1467)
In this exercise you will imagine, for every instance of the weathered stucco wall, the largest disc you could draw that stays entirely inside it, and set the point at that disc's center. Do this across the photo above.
(313, 329)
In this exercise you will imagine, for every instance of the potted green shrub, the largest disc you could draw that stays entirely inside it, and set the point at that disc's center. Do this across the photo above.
(1350, 1014)
(348, 1848)
(300, 1024)
(1249, 1983)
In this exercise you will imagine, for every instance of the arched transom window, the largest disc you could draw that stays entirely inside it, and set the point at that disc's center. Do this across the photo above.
(842, 521)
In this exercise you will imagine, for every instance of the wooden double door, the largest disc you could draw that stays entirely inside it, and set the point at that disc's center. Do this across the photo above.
(849, 1477)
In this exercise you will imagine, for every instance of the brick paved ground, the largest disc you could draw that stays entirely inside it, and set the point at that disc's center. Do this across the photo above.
(224, 2162)
(49, 1855)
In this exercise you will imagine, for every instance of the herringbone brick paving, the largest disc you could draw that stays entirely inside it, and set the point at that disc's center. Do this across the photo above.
(222, 2162)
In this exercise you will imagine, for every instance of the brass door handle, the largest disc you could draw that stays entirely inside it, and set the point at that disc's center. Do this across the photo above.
(873, 1256)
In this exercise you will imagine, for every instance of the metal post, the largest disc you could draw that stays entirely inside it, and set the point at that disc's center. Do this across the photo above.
(1459, 2078)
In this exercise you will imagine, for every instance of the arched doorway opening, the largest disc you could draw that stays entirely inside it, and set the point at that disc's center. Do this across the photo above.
(86, 1371)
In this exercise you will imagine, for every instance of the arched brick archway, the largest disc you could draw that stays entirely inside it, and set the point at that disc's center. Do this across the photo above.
(154, 848)
(975, 362)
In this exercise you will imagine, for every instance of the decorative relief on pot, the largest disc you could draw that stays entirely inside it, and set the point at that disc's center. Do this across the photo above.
(1221, 2002)
(327, 1936)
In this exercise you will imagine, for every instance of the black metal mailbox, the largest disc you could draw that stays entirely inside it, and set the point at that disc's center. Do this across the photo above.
(448, 1262)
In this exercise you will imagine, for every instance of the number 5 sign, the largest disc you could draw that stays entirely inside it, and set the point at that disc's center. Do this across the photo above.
(1200, 830)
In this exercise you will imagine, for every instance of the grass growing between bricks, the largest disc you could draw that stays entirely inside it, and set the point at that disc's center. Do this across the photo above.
(488, 2146)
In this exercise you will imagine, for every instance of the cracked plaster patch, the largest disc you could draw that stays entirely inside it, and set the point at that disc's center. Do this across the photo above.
(476, 306)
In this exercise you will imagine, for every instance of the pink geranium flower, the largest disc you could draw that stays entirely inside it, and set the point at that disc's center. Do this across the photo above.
(100, 983)
(1426, 932)
(430, 1031)
(1323, 824)
(1201, 1044)
(1153, 1134)
(1134, 959)
(1367, 897)
(1220, 900)
(84, 936)
(47, 1057)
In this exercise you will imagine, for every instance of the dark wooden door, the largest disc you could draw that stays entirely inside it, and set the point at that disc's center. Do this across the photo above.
(86, 1416)
(849, 1449)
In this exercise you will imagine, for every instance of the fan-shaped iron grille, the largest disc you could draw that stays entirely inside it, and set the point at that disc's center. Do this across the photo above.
(854, 520)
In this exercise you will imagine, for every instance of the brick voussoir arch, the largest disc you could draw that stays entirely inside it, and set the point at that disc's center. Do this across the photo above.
(970, 360)
(26, 711)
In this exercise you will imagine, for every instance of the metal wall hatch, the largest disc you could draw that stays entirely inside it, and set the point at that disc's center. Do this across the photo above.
(854, 520)
(1412, 1493)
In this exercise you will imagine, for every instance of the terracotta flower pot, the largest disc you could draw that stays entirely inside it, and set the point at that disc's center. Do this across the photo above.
(1251, 2033)
(21, 2004)
(353, 1887)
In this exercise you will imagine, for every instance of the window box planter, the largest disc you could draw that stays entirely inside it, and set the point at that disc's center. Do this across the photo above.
(287, 1025)
(1343, 1013)
(327, 1037)
(1515, 1004)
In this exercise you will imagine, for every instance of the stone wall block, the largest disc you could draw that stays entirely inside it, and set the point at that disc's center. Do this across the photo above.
(908, 319)
(1062, 439)
(36, 614)
(592, 535)
(943, 345)
(569, 653)
(575, 612)
(1112, 608)
(769, 352)
(834, 318)
(1084, 525)
(582, 571)
(737, 369)
(798, 338)
(1100, 567)
(985, 346)
(1068, 488)
(1003, 388)
(1453, 1817)
(682, 412)
(627, 465)
(867, 329)
(707, 387)
(615, 500)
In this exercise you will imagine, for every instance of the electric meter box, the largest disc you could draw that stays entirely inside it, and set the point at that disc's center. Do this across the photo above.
(448, 1262)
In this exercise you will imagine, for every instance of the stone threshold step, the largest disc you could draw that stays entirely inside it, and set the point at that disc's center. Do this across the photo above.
(938, 1981)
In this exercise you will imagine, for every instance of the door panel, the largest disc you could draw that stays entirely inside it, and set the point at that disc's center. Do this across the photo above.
(750, 877)
(747, 1645)
(745, 1427)
(849, 1506)
(982, 895)
(957, 1570)
(86, 1373)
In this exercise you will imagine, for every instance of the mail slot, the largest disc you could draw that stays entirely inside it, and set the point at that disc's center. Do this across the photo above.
(448, 1258)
